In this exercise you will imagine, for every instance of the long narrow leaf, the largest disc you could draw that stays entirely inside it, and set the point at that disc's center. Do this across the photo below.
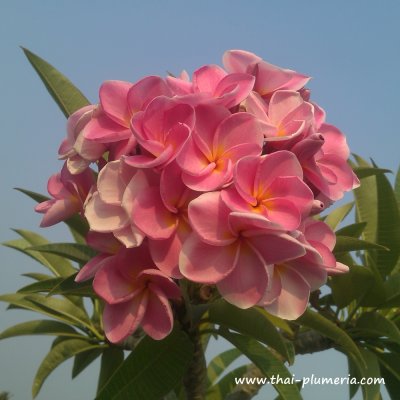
(58, 265)
(152, 370)
(71, 251)
(250, 322)
(329, 329)
(64, 93)
(40, 327)
(111, 360)
(267, 362)
(59, 353)
(220, 363)
(84, 359)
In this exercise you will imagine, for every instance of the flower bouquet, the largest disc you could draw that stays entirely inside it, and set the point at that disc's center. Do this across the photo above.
(195, 204)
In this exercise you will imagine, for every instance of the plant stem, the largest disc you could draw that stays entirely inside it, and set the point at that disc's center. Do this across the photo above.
(195, 377)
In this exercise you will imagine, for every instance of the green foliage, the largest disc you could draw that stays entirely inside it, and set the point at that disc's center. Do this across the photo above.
(152, 370)
(64, 93)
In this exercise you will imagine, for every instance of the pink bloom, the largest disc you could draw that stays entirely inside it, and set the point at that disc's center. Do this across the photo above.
(105, 210)
(161, 130)
(269, 78)
(212, 85)
(107, 246)
(78, 150)
(323, 157)
(219, 140)
(136, 293)
(272, 186)
(293, 280)
(69, 193)
(119, 101)
(160, 211)
(286, 117)
(234, 250)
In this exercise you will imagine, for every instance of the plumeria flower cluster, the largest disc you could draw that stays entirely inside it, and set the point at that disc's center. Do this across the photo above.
(214, 179)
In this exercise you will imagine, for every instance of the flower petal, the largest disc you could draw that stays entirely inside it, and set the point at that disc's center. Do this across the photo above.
(293, 298)
(151, 216)
(103, 217)
(208, 216)
(246, 284)
(201, 262)
(113, 99)
(121, 320)
(158, 320)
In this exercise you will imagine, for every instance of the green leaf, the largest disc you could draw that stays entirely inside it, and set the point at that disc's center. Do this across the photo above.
(58, 265)
(83, 360)
(251, 322)
(392, 292)
(364, 172)
(152, 370)
(351, 286)
(348, 243)
(392, 381)
(266, 361)
(64, 286)
(61, 309)
(220, 363)
(353, 230)
(64, 93)
(371, 370)
(388, 227)
(397, 187)
(316, 321)
(367, 207)
(23, 246)
(59, 353)
(354, 372)
(80, 253)
(377, 325)
(39, 198)
(111, 360)
(391, 362)
(226, 384)
(335, 217)
(40, 327)
(37, 277)
(68, 286)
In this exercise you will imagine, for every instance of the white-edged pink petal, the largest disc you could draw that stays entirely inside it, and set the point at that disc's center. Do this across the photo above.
(203, 263)
(246, 284)
(293, 298)
(121, 320)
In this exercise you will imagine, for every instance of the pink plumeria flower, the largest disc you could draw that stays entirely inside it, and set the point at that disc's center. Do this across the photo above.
(105, 210)
(212, 85)
(161, 131)
(136, 294)
(219, 140)
(75, 148)
(160, 212)
(119, 101)
(269, 78)
(107, 246)
(271, 185)
(286, 117)
(293, 280)
(323, 157)
(233, 250)
(69, 193)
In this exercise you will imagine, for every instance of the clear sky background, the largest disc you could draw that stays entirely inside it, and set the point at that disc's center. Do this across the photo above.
(350, 48)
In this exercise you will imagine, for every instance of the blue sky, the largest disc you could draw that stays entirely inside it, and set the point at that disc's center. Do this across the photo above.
(351, 49)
